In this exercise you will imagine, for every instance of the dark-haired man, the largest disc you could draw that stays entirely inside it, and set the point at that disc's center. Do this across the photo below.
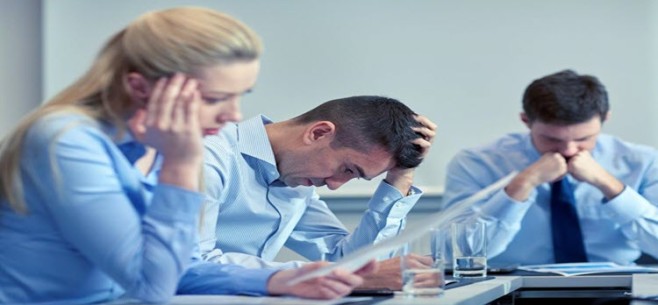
(261, 178)
(579, 195)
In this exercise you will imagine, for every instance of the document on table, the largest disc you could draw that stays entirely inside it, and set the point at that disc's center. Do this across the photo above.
(359, 258)
(570, 269)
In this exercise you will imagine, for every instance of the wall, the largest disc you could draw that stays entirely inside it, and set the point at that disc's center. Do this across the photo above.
(20, 60)
(464, 64)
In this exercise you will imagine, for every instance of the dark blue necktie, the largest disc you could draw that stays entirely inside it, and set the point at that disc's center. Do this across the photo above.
(568, 245)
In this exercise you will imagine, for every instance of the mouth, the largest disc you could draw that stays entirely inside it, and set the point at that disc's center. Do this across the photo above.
(210, 131)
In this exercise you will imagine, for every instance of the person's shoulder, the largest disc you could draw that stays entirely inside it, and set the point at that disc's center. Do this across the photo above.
(60, 127)
(512, 142)
(614, 145)
(221, 147)
(225, 139)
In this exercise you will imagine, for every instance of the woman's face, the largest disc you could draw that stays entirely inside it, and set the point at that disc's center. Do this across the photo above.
(221, 88)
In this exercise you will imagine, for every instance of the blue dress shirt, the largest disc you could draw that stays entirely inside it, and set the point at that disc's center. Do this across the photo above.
(96, 228)
(250, 215)
(616, 230)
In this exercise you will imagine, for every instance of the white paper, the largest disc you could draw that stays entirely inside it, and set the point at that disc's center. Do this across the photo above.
(569, 269)
(359, 258)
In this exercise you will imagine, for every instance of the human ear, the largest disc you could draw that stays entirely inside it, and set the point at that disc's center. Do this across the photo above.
(319, 131)
(524, 119)
(137, 87)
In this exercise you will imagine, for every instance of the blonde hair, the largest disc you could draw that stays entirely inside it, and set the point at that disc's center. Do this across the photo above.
(157, 44)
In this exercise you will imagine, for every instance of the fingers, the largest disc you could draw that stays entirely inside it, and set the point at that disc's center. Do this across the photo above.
(418, 262)
(337, 284)
(185, 108)
(341, 282)
(427, 132)
(173, 103)
(152, 108)
(423, 143)
(161, 105)
(171, 121)
(428, 128)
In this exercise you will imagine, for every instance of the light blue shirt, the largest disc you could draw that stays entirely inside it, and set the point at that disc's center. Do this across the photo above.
(250, 215)
(520, 232)
(97, 229)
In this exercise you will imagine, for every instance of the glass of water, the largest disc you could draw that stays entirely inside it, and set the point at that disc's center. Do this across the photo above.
(469, 249)
(422, 264)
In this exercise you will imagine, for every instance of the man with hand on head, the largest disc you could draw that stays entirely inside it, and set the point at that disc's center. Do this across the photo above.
(579, 196)
(261, 178)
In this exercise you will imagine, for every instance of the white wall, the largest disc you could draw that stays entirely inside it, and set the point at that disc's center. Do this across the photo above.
(464, 64)
(20, 60)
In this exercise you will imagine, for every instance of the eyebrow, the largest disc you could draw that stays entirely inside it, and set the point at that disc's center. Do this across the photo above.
(249, 90)
(560, 140)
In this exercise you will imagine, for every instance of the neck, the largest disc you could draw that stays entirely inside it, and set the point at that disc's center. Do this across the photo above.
(284, 137)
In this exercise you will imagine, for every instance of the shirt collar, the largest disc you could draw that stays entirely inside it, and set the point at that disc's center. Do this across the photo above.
(253, 141)
(127, 144)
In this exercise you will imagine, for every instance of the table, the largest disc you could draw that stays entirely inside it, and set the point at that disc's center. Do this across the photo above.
(510, 289)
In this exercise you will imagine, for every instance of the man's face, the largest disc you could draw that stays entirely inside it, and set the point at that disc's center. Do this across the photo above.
(567, 140)
(333, 167)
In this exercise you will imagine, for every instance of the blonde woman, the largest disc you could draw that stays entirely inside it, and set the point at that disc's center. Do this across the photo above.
(88, 215)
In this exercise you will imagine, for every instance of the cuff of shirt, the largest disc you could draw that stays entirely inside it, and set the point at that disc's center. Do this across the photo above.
(503, 207)
(172, 202)
(212, 278)
(387, 199)
(627, 206)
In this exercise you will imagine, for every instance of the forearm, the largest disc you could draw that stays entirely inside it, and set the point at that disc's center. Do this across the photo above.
(401, 179)
(211, 278)
(637, 216)
(385, 217)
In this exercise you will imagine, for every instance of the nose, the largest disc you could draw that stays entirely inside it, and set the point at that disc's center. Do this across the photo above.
(334, 184)
(569, 149)
(231, 111)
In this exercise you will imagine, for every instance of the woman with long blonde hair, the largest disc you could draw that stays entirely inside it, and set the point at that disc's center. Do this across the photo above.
(99, 193)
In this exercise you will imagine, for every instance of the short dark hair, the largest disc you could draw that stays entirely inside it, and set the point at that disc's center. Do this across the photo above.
(565, 98)
(365, 122)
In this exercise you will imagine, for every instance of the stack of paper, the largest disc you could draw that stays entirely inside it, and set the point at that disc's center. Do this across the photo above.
(569, 269)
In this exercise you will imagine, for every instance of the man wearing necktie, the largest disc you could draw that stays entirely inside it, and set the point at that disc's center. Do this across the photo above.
(579, 195)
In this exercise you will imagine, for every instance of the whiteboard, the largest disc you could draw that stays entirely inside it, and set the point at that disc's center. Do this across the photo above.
(464, 64)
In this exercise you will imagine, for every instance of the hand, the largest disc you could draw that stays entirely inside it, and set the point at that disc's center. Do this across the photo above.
(337, 284)
(389, 273)
(428, 132)
(550, 167)
(584, 168)
(402, 178)
(170, 124)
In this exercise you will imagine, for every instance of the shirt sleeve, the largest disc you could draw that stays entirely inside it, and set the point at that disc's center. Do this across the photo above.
(636, 212)
(212, 278)
(501, 214)
(93, 197)
(319, 232)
